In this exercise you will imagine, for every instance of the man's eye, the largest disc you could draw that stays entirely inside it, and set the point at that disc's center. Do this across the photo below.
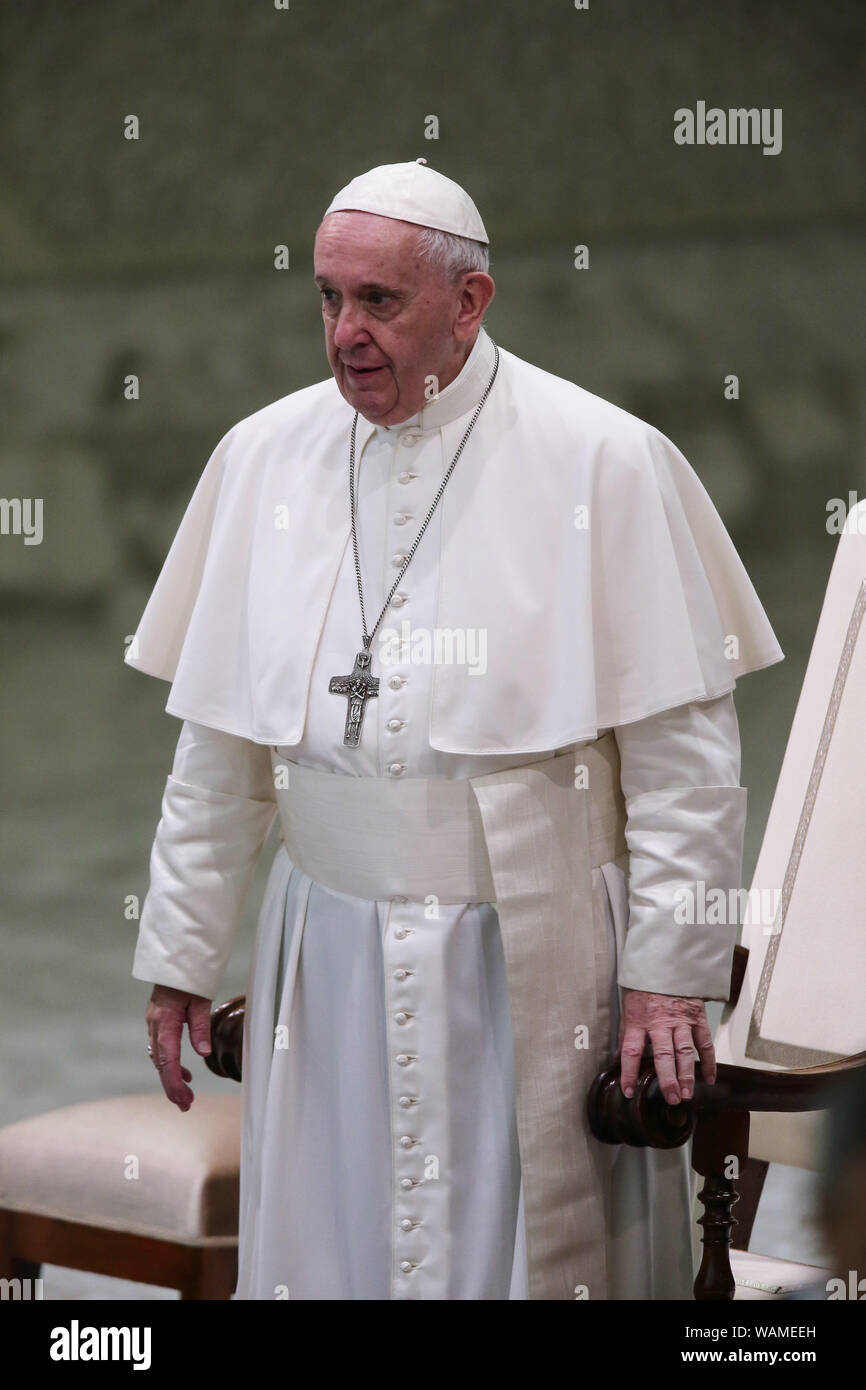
(327, 294)
(377, 298)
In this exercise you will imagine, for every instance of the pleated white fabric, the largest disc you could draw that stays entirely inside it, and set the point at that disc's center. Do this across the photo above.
(323, 1199)
(332, 1207)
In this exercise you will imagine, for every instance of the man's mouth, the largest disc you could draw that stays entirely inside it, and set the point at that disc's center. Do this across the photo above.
(363, 371)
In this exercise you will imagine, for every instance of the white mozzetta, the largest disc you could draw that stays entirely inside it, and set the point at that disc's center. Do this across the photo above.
(575, 537)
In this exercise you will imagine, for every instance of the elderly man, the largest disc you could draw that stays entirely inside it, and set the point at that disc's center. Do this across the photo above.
(498, 731)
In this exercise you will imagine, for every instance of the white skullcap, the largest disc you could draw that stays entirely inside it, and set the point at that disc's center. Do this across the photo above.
(413, 193)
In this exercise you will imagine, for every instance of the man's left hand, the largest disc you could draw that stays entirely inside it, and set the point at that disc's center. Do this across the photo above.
(675, 1026)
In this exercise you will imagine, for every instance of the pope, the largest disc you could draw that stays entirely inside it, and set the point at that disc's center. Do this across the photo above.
(472, 903)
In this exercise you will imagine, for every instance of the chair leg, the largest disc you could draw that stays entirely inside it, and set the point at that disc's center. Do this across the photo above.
(750, 1185)
(212, 1274)
(719, 1152)
(7, 1256)
(12, 1265)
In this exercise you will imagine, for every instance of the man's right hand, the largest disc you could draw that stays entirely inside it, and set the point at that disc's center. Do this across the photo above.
(167, 1011)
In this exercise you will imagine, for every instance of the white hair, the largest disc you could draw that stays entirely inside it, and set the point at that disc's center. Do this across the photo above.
(455, 255)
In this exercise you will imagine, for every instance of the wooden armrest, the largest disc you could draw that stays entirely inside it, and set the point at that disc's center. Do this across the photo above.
(647, 1121)
(227, 1038)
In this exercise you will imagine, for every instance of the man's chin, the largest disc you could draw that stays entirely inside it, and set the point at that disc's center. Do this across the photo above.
(374, 401)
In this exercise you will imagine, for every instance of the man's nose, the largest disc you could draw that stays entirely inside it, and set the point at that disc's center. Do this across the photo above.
(350, 330)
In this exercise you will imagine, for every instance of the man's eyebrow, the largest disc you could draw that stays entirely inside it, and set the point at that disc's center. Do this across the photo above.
(382, 289)
(369, 286)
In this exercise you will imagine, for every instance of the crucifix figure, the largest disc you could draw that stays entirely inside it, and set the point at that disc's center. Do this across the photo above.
(359, 686)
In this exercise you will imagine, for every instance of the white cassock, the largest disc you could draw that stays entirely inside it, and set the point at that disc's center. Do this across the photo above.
(381, 1155)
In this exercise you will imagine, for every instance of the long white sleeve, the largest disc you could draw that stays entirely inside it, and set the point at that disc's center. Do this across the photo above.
(680, 774)
(217, 809)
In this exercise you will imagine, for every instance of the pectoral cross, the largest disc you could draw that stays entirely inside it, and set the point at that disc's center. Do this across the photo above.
(359, 686)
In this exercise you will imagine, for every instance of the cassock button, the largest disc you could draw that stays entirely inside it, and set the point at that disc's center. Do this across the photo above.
(405, 1101)
(406, 1266)
(406, 1183)
(399, 898)
(408, 440)
(406, 1141)
(396, 769)
(406, 1224)
(398, 600)
(401, 974)
(403, 1060)
(400, 518)
(398, 560)
(395, 725)
(402, 1018)
(401, 933)
(396, 682)
(406, 476)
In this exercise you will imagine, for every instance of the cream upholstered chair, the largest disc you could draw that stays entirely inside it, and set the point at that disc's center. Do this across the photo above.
(129, 1187)
(796, 1020)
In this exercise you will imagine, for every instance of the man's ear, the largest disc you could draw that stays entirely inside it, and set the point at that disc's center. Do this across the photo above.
(476, 293)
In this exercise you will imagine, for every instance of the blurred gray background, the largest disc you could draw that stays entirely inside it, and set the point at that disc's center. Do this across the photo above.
(155, 257)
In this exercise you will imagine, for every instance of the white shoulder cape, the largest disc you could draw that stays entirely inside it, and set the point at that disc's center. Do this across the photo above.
(577, 536)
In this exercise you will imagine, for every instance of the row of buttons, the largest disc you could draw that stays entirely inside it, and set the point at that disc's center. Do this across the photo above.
(403, 973)
(395, 725)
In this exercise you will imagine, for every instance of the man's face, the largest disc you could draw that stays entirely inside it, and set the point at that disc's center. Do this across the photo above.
(389, 316)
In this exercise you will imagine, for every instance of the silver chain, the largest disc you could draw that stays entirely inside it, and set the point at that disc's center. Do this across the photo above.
(367, 638)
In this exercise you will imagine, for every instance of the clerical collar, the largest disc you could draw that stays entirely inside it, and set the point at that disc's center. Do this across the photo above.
(457, 398)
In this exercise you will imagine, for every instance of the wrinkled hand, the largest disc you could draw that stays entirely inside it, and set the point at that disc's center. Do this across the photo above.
(675, 1026)
(167, 1011)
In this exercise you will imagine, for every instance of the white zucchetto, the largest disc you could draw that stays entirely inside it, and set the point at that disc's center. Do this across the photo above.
(412, 192)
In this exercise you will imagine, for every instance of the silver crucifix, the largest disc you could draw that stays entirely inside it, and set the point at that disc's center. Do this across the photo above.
(360, 686)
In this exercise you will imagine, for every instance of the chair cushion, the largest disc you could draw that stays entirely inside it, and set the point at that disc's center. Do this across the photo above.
(762, 1276)
(130, 1163)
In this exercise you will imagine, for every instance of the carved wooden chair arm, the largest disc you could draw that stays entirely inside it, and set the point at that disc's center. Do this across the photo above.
(647, 1121)
(227, 1038)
